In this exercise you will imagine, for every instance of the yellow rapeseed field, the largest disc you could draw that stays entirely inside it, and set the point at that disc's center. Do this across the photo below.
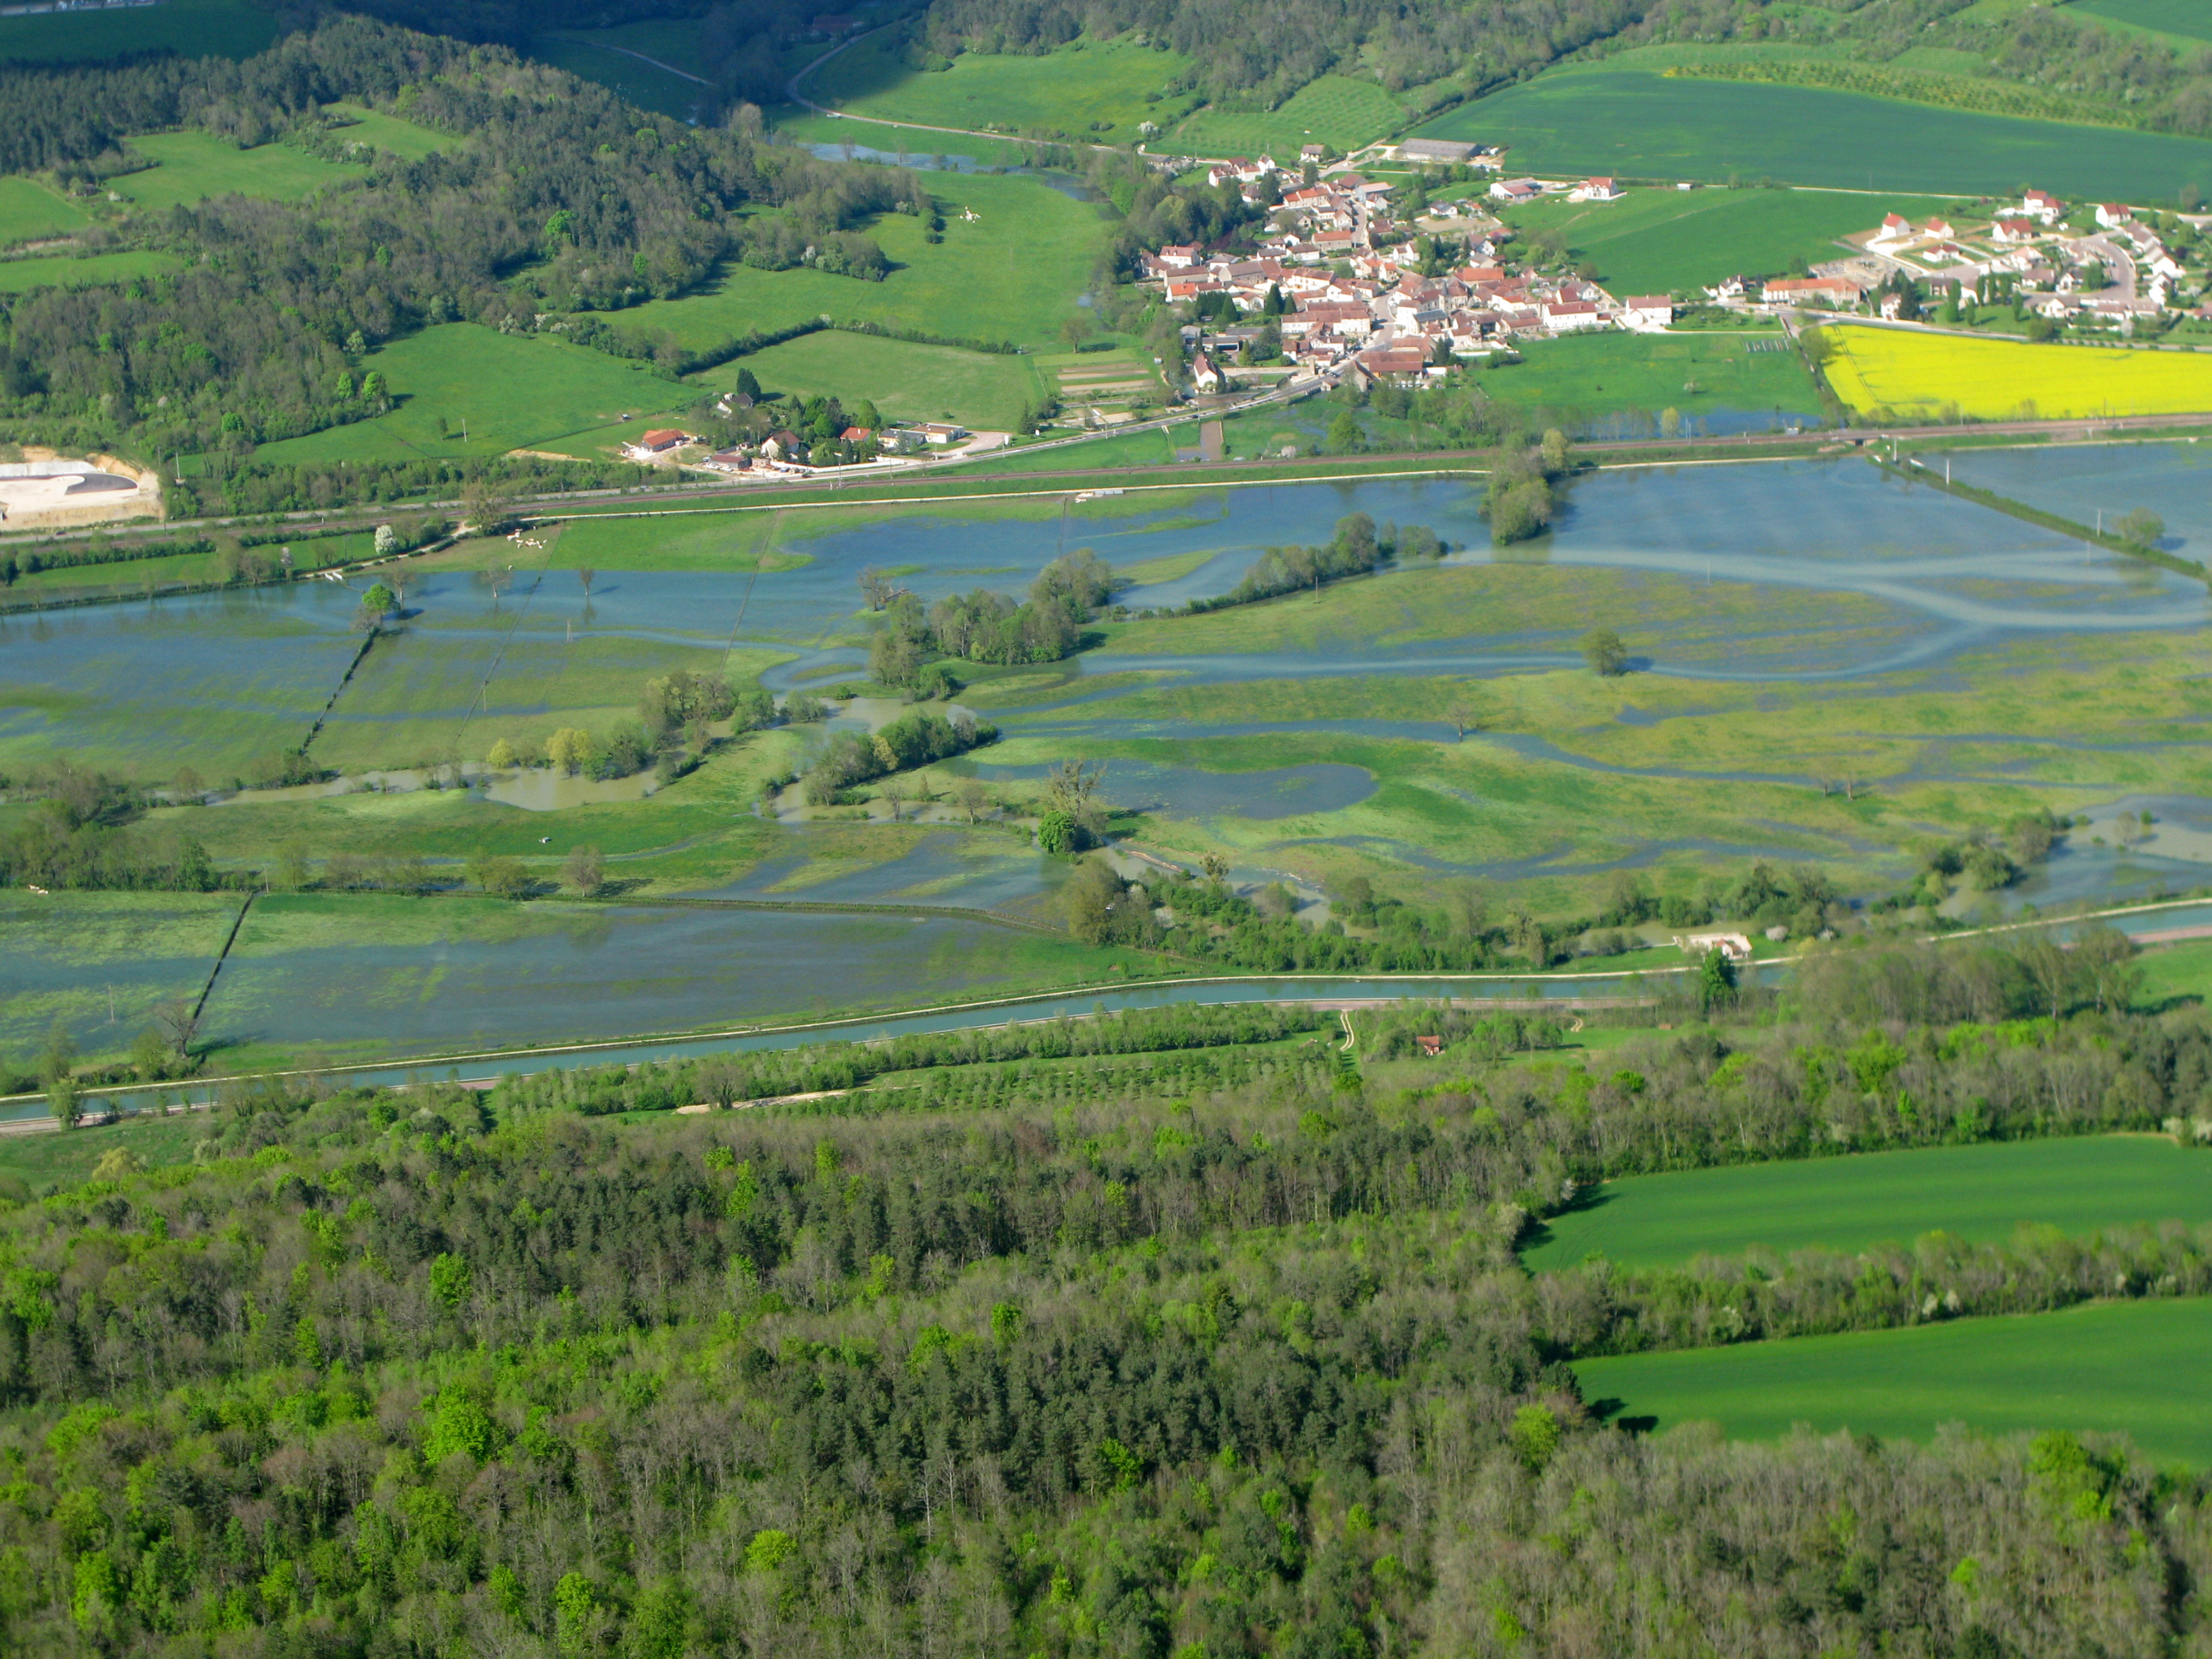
(1936, 374)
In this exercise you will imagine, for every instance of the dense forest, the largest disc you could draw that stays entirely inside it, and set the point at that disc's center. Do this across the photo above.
(1022, 1354)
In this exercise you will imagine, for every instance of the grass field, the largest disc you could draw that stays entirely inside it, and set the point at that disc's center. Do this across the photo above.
(1013, 273)
(190, 29)
(2131, 1367)
(2185, 20)
(1662, 241)
(512, 390)
(1091, 91)
(1334, 110)
(1917, 373)
(1623, 119)
(404, 139)
(908, 382)
(707, 541)
(29, 212)
(1695, 374)
(197, 165)
(590, 55)
(21, 275)
(2177, 971)
(1978, 1193)
(44, 1163)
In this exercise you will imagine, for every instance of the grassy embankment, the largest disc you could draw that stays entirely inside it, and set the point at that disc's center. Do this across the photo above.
(1934, 376)
(1623, 117)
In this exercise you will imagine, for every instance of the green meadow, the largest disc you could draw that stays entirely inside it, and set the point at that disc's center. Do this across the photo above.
(2176, 973)
(808, 126)
(2134, 1368)
(2183, 20)
(1695, 374)
(592, 55)
(1620, 119)
(1335, 110)
(92, 270)
(47, 1162)
(404, 139)
(491, 391)
(1012, 273)
(29, 212)
(1663, 242)
(906, 381)
(190, 29)
(194, 166)
(1089, 90)
(1977, 1192)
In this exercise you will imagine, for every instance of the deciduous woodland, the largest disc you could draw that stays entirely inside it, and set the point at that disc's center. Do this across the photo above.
(1016, 1353)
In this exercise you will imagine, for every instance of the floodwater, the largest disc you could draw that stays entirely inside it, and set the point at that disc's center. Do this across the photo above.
(1185, 792)
(2086, 482)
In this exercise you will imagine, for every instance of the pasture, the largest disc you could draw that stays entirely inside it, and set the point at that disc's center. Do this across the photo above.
(1335, 110)
(1665, 241)
(94, 271)
(29, 212)
(1091, 91)
(907, 381)
(194, 166)
(1012, 273)
(190, 29)
(2186, 21)
(1620, 119)
(2133, 1368)
(1978, 1193)
(503, 390)
(595, 55)
(1926, 374)
(1702, 376)
(404, 139)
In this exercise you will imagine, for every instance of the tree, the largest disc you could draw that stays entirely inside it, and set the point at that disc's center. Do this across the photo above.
(387, 541)
(1089, 899)
(178, 1021)
(1716, 980)
(2141, 527)
(973, 798)
(1603, 651)
(1072, 787)
(1464, 903)
(1057, 832)
(586, 870)
(56, 1069)
(500, 755)
(499, 876)
(1344, 434)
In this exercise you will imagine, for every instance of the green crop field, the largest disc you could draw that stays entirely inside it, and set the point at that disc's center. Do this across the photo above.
(1013, 273)
(511, 390)
(1978, 1193)
(29, 211)
(1622, 120)
(2134, 1368)
(908, 382)
(1334, 110)
(21, 275)
(1694, 373)
(190, 29)
(1663, 242)
(2185, 20)
(1089, 90)
(197, 165)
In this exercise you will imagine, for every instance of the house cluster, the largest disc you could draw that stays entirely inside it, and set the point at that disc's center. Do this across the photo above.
(2120, 271)
(1344, 271)
(780, 451)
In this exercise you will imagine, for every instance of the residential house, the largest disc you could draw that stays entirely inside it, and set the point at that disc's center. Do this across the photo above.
(855, 436)
(1313, 153)
(1596, 190)
(2110, 214)
(1647, 312)
(1203, 374)
(1735, 946)
(658, 443)
(1516, 191)
(1812, 290)
(1569, 316)
(728, 460)
(1180, 255)
(2014, 230)
(943, 432)
(2042, 205)
(784, 447)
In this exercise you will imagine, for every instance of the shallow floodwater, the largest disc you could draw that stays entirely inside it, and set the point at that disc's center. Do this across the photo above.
(2082, 482)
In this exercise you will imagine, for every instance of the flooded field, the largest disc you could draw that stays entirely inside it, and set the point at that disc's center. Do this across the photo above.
(2093, 482)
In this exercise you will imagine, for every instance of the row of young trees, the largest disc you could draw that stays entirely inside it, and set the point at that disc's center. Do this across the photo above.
(1252, 1368)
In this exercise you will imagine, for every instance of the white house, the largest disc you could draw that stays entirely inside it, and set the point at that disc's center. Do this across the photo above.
(1647, 312)
(2041, 204)
(1895, 228)
(1564, 316)
(2013, 230)
(1180, 255)
(1203, 374)
(1596, 190)
(1735, 946)
(1514, 192)
(2110, 214)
